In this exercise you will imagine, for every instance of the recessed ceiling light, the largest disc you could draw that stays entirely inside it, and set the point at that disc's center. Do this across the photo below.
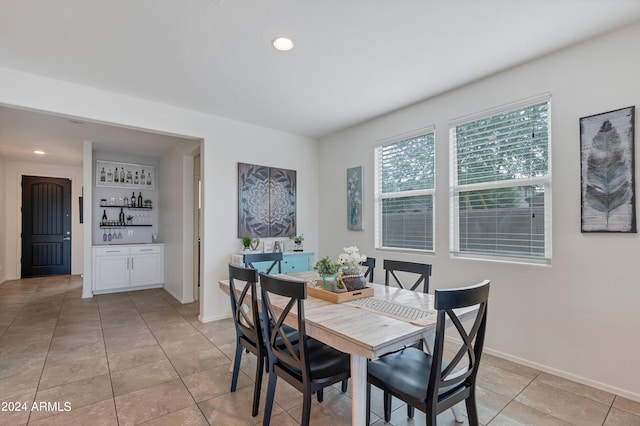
(282, 43)
(39, 152)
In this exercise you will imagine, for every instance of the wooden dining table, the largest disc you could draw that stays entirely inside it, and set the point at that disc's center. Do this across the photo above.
(364, 333)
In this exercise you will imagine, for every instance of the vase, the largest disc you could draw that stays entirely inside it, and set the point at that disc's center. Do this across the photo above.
(329, 282)
(297, 247)
(353, 281)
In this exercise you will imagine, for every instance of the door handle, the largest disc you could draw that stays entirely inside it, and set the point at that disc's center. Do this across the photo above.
(66, 239)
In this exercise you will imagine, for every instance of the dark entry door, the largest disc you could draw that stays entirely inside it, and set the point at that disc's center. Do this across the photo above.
(46, 226)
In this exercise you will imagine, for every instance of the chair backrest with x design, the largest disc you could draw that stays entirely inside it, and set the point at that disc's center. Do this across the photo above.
(246, 320)
(370, 264)
(274, 258)
(423, 270)
(453, 381)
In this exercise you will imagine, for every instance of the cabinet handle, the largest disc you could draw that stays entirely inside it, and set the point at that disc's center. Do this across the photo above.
(112, 251)
(132, 263)
(146, 250)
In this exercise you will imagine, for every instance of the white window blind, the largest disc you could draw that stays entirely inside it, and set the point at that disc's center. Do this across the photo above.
(405, 170)
(501, 182)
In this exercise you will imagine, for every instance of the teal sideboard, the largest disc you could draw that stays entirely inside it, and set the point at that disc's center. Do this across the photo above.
(291, 262)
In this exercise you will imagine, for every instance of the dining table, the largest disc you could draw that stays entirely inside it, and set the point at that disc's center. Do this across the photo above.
(368, 332)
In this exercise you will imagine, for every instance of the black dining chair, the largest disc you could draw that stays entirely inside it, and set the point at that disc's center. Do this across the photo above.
(370, 264)
(308, 365)
(422, 270)
(274, 258)
(426, 381)
(244, 308)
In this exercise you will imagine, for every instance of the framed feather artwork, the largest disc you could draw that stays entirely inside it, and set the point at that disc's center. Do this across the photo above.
(607, 171)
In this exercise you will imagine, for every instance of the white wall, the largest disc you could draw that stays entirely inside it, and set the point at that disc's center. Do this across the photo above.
(225, 143)
(3, 228)
(579, 316)
(13, 221)
(175, 181)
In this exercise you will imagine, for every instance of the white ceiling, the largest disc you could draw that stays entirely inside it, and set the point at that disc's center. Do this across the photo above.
(353, 59)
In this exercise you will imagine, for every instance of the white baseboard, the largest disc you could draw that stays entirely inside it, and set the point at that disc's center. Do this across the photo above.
(213, 318)
(564, 374)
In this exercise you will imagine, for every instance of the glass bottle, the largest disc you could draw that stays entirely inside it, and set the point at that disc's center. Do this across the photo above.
(122, 175)
(116, 176)
(104, 216)
(103, 175)
(126, 201)
(133, 199)
(109, 176)
(148, 178)
(121, 217)
(128, 176)
(140, 199)
(136, 180)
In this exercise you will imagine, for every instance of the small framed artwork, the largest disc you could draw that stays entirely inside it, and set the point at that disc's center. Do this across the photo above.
(354, 198)
(607, 171)
(124, 175)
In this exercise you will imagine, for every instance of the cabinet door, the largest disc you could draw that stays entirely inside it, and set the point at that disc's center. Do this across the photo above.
(110, 271)
(297, 262)
(147, 266)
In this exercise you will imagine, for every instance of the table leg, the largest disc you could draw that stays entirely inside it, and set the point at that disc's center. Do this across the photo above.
(358, 390)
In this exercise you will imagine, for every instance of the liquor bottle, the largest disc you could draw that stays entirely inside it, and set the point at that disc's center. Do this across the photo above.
(122, 175)
(140, 199)
(133, 199)
(116, 176)
(104, 216)
(103, 175)
(136, 180)
(126, 202)
(109, 176)
(128, 176)
(121, 217)
(148, 178)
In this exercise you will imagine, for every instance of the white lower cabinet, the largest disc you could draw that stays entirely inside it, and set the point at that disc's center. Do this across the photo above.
(131, 267)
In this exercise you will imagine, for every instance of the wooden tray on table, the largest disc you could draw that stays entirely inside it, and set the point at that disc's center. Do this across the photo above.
(332, 297)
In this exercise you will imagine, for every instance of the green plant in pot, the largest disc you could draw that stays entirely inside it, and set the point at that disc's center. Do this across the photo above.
(329, 269)
(246, 243)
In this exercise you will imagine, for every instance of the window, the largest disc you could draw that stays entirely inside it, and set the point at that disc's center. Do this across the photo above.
(501, 182)
(405, 170)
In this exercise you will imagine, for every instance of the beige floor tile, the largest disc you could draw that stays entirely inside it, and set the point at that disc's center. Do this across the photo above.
(73, 371)
(519, 414)
(488, 404)
(101, 413)
(119, 344)
(18, 384)
(152, 402)
(501, 381)
(519, 369)
(190, 416)
(562, 404)
(188, 363)
(77, 394)
(17, 410)
(617, 417)
(184, 345)
(75, 352)
(234, 408)
(627, 405)
(10, 365)
(577, 388)
(142, 376)
(214, 382)
(137, 356)
(334, 410)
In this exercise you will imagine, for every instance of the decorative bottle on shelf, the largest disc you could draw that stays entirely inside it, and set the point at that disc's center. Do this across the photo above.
(128, 176)
(136, 179)
(148, 178)
(103, 175)
(116, 176)
(104, 216)
(133, 199)
(126, 201)
(122, 175)
(109, 176)
(139, 199)
(121, 217)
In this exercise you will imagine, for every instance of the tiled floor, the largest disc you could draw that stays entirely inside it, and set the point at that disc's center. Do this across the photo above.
(141, 357)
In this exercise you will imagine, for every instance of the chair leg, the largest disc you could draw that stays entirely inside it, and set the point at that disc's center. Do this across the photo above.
(387, 406)
(257, 385)
(236, 367)
(320, 395)
(410, 411)
(472, 410)
(306, 408)
(271, 392)
(345, 384)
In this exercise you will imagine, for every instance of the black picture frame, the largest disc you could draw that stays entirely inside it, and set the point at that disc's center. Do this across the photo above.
(607, 166)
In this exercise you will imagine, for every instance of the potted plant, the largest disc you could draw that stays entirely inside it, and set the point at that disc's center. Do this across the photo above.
(352, 275)
(148, 203)
(246, 243)
(329, 269)
(297, 240)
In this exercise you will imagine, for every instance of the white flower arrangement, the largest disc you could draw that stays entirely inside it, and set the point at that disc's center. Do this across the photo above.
(350, 260)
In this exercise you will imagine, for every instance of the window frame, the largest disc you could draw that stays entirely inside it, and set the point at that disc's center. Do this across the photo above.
(456, 189)
(379, 196)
